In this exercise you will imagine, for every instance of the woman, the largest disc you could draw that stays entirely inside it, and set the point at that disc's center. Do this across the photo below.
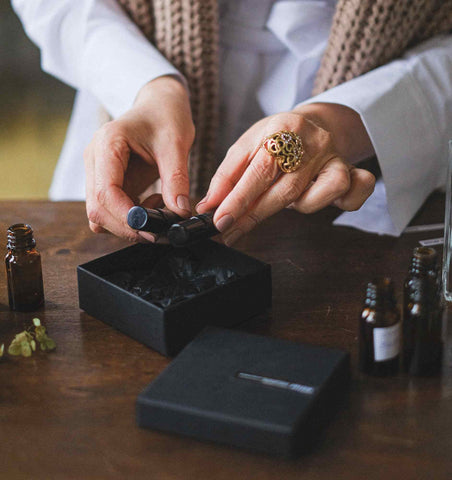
(269, 54)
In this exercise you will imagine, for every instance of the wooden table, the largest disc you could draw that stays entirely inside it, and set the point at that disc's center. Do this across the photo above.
(70, 414)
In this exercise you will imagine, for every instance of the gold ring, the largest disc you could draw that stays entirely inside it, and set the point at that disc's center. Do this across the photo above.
(286, 148)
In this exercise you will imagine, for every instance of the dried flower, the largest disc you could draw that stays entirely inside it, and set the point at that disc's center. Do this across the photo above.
(45, 342)
(24, 343)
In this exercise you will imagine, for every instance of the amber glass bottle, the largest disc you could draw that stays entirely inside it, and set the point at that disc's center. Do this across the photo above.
(424, 264)
(23, 269)
(379, 330)
(423, 314)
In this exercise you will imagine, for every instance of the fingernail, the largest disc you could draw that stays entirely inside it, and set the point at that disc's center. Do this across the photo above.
(225, 222)
(203, 200)
(200, 204)
(233, 237)
(183, 202)
(147, 236)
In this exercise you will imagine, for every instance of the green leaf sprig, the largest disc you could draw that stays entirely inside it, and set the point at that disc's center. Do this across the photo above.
(45, 342)
(24, 343)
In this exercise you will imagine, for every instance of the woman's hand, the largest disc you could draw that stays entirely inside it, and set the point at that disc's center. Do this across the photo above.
(248, 186)
(127, 155)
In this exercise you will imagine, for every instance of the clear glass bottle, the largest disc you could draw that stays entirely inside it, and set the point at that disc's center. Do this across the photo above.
(447, 251)
(379, 330)
(23, 269)
(423, 314)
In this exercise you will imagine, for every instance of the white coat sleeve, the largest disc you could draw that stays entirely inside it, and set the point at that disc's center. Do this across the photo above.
(406, 107)
(92, 45)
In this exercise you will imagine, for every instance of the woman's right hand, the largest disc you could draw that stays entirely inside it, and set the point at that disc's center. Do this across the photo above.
(127, 155)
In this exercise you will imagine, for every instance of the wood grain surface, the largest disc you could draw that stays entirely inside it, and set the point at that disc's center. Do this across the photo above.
(70, 414)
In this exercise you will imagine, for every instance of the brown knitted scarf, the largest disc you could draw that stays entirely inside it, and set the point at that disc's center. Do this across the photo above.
(368, 33)
(365, 34)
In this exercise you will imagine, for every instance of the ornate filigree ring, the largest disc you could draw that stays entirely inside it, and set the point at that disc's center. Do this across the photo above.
(286, 148)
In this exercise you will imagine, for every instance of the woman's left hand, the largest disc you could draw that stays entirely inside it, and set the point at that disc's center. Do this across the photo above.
(249, 187)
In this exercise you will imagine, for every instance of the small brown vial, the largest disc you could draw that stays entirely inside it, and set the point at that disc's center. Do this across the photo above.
(424, 265)
(23, 269)
(423, 314)
(379, 330)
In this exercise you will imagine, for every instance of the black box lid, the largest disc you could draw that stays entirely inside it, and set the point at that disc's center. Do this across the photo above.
(245, 390)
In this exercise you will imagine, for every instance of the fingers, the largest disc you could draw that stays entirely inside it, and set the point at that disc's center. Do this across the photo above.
(225, 178)
(248, 187)
(332, 182)
(339, 185)
(165, 108)
(335, 183)
(126, 156)
(100, 219)
(257, 178)
(283, 192)
(172, 162)
(362, 187)
(249, 171)
(230, 171)
(109, 204)
(107, 161)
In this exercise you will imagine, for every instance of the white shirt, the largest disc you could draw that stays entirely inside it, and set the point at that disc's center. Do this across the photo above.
(270, 52)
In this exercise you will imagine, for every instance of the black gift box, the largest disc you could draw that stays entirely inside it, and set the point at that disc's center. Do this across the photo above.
(168, 328)
(254, 392)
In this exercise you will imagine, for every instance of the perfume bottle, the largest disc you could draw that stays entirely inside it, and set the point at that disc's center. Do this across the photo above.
(192, 230)
(156, 220)
(424, 264)
(423, 314)
(23, 269)
(379, 330)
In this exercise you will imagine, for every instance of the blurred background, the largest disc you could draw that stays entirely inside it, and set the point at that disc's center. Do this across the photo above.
(34, 114)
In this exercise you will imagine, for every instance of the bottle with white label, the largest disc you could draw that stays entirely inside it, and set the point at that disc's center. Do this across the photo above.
(379, 330)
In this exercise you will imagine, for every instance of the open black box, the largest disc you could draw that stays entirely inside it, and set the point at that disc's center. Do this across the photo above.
(169, 329)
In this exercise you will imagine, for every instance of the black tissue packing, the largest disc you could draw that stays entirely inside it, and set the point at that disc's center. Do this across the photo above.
(171, 278)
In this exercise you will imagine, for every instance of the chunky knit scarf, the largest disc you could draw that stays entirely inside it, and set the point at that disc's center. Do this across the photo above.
(364, 35)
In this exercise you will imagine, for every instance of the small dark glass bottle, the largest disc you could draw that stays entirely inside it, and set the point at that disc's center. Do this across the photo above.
(424, 264)
(379, 330)
(194, 229)
(155, 220)
(23, 269)
(423, 315)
